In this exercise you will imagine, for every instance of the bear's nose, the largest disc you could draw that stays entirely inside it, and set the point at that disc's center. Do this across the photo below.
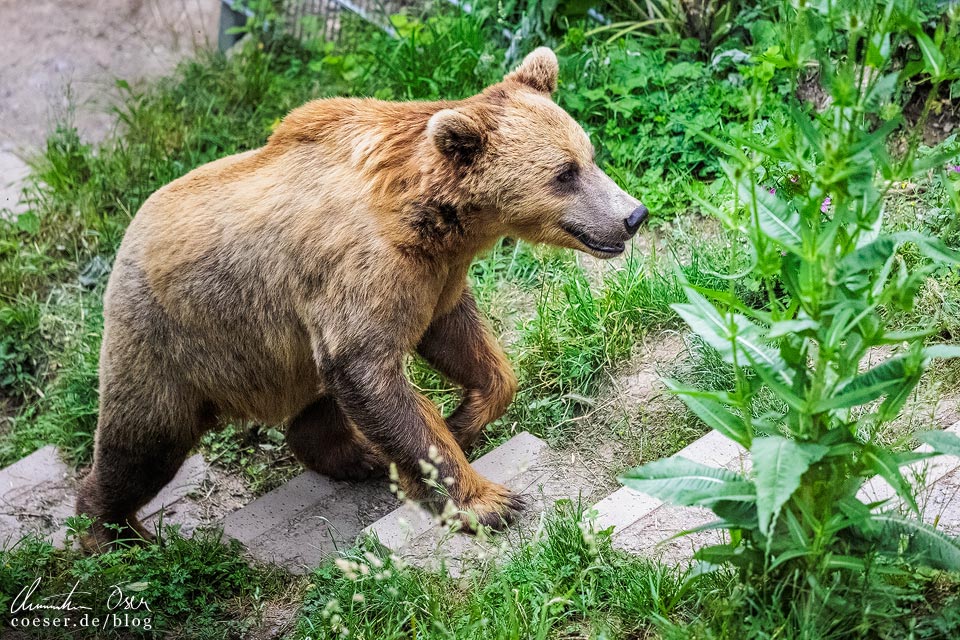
(636, 219)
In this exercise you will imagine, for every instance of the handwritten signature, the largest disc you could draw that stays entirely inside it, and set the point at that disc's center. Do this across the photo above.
(116, 600)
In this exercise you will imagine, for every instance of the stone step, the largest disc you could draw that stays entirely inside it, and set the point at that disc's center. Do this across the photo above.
(171, 505)
(35, 495)
(940, 503)
(308, 519)
(38, 494)
(644, 525)
(524, 464)
(926, 471)
(399, 528)
(13, 171)
(625, 506)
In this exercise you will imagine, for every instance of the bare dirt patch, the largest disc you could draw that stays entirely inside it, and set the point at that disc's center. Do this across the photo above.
(60, 54)
(634, 419)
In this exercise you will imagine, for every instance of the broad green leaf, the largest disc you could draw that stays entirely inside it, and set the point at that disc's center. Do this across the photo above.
(886, 465)
(857, 513)
(870, 256)
(705, 321)
(778, 464)
(896, 337)
(930, 546)
(724, 334)
(731, 302)
(903, 458)
(799, 537)
(879, 136)
(713, 414)
(777, 219)
(742, 515)
(932, 56)
(892, 404)
(883, 248)
(751, 344)
(784, 327)
(867, 386)
(709, 327)
(716, 330)
(942, 351)
(935, 249)
(775, 382)
(941, 442)
(849, 563)
(686, 483)
(720, 554)
(28, 222)
(787, 556)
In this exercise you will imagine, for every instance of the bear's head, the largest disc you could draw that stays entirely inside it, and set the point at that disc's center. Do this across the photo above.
(530, 166)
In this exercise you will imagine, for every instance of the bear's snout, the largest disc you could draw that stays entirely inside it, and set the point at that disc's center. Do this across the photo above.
(635, 219)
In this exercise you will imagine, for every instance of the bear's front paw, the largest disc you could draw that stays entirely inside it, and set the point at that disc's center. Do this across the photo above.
(495, 508)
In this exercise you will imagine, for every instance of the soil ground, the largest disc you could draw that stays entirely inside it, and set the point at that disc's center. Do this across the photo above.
(60, 54)
(61, 58)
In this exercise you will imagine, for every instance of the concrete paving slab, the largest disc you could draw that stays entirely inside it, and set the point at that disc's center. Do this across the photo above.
(277, 507)
(36, 495)
(622, 508)
(308, 519)
(652, 533)
(625, 506)
(940, 503)
(42, 465)
(925, 471)
(406, 523)
(171, 504)
(524, 464)
(647, 526)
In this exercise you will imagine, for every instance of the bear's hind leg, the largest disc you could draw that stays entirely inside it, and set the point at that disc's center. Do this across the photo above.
(138, 451)
(323, 440)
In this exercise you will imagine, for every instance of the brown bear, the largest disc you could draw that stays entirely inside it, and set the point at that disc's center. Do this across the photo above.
(289, 283)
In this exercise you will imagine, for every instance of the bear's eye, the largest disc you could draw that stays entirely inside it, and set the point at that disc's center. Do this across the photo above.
(568, 175)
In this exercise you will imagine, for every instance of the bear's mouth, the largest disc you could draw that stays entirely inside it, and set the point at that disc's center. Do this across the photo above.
(592, 243)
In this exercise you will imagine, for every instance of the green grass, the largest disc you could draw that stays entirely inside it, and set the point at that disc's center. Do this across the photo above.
(65, 413)
(568, 584)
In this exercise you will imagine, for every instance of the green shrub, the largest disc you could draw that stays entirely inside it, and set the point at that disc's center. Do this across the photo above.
(645, 108)
(811, 554)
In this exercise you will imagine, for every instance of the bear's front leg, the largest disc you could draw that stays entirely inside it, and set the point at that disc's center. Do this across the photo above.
(460, 346)
(410, 432)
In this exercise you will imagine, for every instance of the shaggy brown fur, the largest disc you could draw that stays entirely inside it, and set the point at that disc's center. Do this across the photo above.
(288, 283)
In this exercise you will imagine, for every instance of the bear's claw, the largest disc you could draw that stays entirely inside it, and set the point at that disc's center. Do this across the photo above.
(497, 508)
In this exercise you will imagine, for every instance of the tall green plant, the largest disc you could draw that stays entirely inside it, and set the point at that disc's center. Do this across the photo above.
(834, 279)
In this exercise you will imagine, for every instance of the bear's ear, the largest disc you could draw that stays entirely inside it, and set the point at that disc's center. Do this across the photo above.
(539, 70)
(456, 135)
